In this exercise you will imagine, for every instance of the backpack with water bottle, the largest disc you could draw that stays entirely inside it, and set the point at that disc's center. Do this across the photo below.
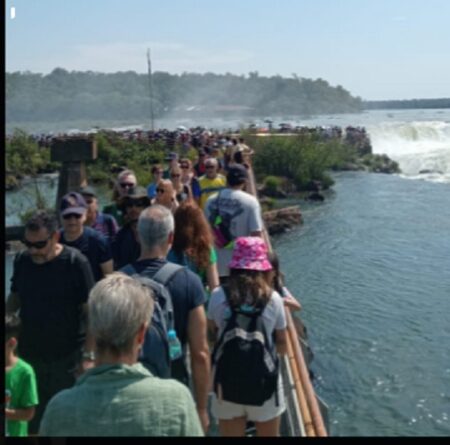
(161, 346)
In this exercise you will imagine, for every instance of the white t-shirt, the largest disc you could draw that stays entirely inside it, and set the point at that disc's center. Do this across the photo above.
(273, 315)
(243, 213)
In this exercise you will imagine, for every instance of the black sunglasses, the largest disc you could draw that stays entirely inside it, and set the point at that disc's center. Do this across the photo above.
(72, 215)
(36, 244)
(127, 185)
(136, 202)
(160, 190)
(175, 176)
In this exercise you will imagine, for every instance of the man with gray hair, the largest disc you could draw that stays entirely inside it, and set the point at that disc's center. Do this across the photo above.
(156, 231)
(119, 397)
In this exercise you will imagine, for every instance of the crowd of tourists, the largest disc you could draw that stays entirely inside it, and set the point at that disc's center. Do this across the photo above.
(210, 139)
(146, 316)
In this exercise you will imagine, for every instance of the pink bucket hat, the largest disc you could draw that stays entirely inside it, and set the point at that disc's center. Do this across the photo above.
(250, 252)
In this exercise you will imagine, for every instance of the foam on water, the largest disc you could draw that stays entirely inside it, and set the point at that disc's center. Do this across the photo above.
(422, 148)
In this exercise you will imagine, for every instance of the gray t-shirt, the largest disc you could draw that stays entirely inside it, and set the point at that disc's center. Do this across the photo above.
(242, 213)
(273, 316)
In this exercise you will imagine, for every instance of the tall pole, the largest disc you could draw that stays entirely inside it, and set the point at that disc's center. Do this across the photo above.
(150, 89)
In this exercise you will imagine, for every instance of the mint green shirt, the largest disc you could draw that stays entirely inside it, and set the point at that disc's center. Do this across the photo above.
(20, 381)
(122, 400)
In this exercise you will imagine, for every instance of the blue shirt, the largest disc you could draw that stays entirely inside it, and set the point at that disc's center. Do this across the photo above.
(151, 190)
(94, 246)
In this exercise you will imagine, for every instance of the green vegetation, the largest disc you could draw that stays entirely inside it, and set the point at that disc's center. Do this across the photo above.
(406, 104)
(23, 157)
(91, 96)
(302, 160)
(115, 152)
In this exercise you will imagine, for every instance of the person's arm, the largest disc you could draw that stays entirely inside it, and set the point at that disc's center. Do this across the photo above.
(88, 351)
(85, 282)
(107, 267)
(281, 341)
(212, 276)
(13, 302)
(200, 363)
(25, 414)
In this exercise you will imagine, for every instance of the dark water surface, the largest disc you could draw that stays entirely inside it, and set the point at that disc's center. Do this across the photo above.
(371, 267)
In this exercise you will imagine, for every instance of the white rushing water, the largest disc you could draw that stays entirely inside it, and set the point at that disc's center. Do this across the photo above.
(422, 148)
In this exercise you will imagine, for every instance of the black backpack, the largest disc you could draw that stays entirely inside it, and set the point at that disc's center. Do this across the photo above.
(246, 367)
(154, 354)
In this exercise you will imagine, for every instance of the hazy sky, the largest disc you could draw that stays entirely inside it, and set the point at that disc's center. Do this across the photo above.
(376, 49)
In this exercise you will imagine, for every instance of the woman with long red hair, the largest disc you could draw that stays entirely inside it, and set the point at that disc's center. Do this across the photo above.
(193, 245)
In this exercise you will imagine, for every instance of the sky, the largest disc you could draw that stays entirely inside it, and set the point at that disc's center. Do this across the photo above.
(375, 49)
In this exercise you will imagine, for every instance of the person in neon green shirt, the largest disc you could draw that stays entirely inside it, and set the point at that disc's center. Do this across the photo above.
(211, 182)
(20, 383)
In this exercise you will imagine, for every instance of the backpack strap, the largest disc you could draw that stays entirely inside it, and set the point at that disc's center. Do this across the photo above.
(162, 277)
(166, 272)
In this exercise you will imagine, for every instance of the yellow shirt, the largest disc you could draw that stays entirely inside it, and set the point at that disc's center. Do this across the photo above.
(209, 187)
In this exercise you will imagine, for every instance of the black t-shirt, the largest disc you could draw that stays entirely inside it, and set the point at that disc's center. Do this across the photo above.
(187, 294)
(51, 298)
(125, 248)
(94, 246)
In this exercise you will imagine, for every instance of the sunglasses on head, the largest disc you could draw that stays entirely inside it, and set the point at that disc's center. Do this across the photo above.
(72, 215)
(36, 244)
(142, 202)
(127, 185)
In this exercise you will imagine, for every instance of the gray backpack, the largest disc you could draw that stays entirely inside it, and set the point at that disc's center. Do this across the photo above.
(154, 354)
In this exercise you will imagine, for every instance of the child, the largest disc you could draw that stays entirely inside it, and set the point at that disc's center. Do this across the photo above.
(277, 281)
(20, 383)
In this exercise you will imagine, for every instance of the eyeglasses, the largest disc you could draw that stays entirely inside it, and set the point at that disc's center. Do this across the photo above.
(160, 190)
(36, 244)
(127, 185)
(72, 215)
(175, 176)
(89, 200)
(136, 202)
(185, 167)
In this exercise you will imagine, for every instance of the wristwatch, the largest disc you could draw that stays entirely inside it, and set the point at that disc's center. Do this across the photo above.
(88, 355)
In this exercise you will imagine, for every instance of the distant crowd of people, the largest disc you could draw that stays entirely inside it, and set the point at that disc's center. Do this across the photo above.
(122, 321)
(210, 140)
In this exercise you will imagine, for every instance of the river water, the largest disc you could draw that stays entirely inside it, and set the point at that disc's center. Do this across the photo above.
(371, 266)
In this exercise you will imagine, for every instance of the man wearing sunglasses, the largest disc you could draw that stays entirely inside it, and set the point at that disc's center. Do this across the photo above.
(126, 247)
(93, 245)
(211, 182)
(50, 287)
(126, 181)
(103, 223)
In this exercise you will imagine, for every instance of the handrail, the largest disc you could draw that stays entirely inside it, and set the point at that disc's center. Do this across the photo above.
(309, 408)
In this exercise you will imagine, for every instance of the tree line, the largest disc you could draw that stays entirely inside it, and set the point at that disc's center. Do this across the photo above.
(406, 104)
(62, 95)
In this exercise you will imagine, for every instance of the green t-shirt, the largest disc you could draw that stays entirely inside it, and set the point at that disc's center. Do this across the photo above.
(21, 382)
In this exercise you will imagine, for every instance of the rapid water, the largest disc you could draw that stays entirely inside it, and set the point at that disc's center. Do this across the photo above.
(371, 266)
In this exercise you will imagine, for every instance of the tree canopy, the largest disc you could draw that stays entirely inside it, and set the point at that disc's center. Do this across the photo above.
(62, 95)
